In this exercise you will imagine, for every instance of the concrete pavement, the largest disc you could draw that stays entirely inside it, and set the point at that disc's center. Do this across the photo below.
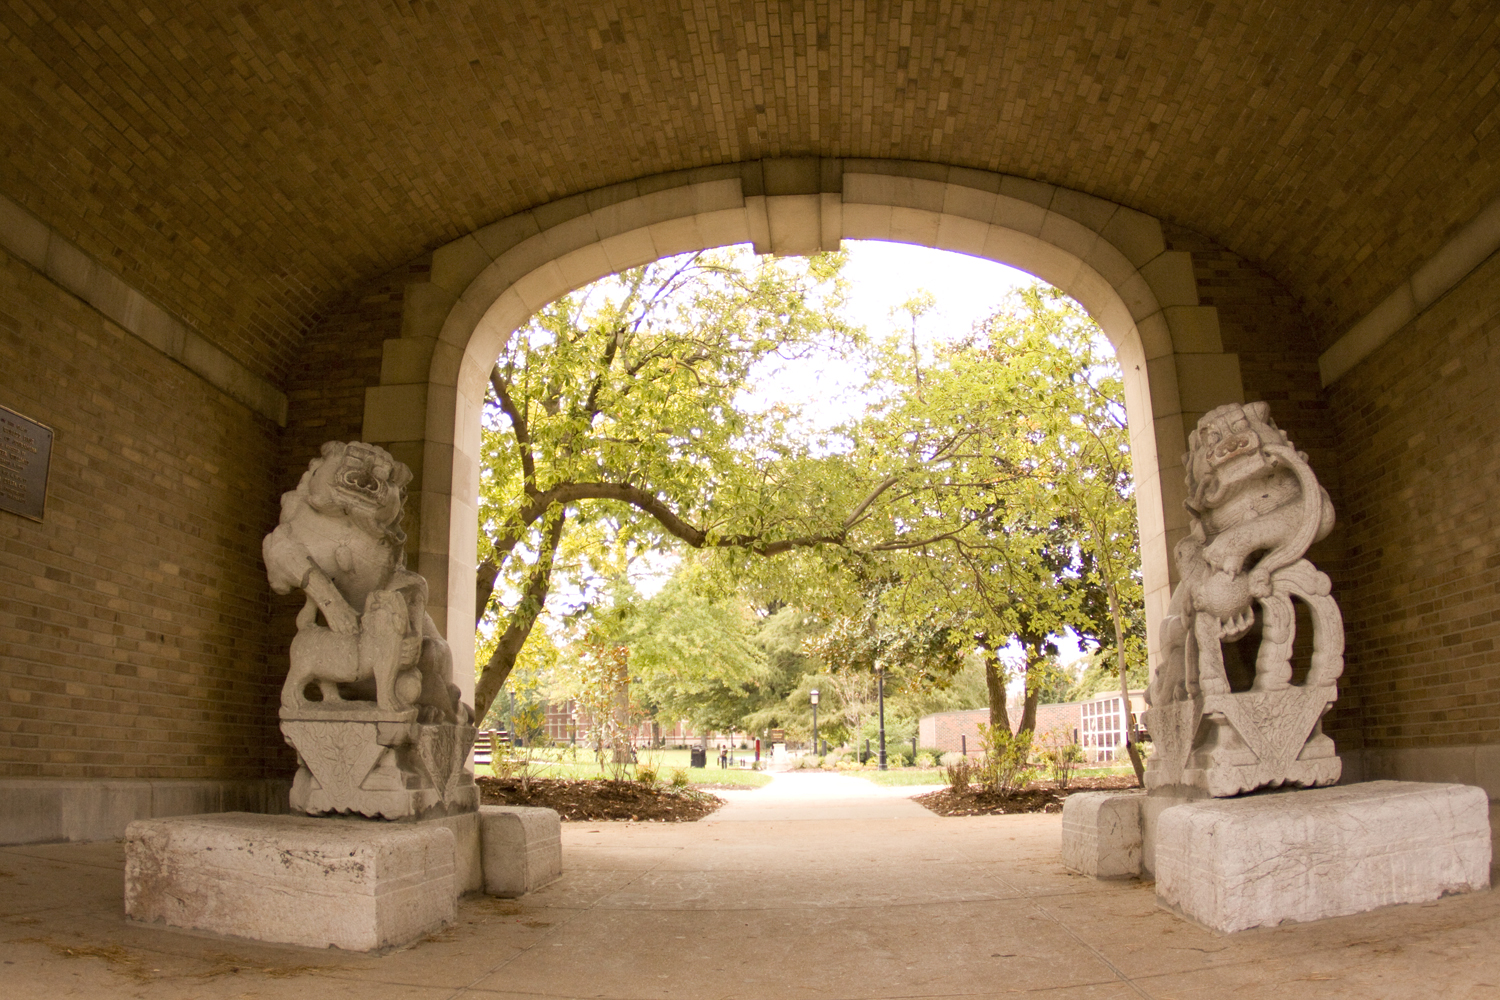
(819, 886)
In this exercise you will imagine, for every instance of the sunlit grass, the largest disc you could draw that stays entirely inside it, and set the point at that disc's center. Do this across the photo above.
(553, 762)
(902, 776)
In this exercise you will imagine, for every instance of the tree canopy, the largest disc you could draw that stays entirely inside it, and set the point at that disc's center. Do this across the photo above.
(982, 501)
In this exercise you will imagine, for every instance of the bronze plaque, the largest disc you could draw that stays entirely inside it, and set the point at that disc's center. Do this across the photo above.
(25, 454)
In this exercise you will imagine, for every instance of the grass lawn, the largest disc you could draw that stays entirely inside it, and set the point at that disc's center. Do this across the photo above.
(669, 760)
(902, 776)
(938, 776)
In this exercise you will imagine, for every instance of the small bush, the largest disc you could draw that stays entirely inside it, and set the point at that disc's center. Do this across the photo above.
(679, 778)
(1059, 755)
(960, 773)
(647, 774)
(1005, 767)
(925, 759)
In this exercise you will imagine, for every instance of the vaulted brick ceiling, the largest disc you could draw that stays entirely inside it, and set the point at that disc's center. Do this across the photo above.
(248, 165)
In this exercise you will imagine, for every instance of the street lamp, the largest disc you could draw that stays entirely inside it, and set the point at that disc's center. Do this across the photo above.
(815, 720)
(880, 687)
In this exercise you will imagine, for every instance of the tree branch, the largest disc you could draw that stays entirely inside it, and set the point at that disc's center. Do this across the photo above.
(519, 428)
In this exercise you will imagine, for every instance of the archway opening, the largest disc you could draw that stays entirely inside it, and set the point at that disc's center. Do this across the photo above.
(484, 286)
(650, 392)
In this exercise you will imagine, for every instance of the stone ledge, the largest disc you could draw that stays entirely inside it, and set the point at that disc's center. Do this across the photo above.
(1233, 864)
(521, 847)
(352, 884)
(1101, 833)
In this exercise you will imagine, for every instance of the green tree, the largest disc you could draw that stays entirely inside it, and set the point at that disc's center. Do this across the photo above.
(1013, 509)
(627, 397)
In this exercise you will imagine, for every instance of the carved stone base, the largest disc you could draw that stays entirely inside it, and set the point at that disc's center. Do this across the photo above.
(1232, 864)
(379, 764)
(333, 882)
(1227, 744)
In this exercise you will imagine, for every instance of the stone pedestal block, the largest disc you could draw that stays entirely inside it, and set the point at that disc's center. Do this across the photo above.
(1232, 864)
(468, 866)
(1101, 833)
(323, 883)
(521, 847)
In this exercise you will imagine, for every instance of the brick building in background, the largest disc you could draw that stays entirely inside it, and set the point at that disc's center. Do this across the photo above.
(1096, 725)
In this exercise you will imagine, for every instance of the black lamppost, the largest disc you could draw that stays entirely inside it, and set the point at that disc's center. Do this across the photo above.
(880, 687)
(815, 720)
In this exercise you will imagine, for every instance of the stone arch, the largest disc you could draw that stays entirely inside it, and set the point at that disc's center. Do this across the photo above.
(483, 286)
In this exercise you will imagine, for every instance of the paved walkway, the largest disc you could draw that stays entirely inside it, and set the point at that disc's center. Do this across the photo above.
(819, 886)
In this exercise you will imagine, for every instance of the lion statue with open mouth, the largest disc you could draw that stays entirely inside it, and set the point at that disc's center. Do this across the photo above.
(363, 634)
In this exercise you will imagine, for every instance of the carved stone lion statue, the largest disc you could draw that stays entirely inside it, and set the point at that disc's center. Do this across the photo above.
(364, 633)
(1255, 507)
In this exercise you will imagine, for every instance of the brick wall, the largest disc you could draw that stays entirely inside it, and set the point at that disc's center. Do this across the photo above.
(1420, 593)
(132, 620)
(1278, 349)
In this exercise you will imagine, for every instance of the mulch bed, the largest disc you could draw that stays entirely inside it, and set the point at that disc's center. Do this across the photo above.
(1037, 797)
(588, 799)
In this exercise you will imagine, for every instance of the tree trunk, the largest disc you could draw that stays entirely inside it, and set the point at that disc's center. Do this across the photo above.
(484, 587)
(503, 660)
(994, 683)
(1130, 745)
(1028, 706)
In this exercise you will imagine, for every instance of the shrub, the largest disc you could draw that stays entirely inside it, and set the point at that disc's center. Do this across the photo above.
(925, 759)
(960, 772)
(1060, 755)
(679, 778)
(1004, 767)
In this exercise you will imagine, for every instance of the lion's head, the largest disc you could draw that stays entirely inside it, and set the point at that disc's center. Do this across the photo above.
(361, 481)
(1227, 451)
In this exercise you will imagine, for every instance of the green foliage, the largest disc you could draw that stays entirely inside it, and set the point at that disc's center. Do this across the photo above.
(1009, 514)
(1005, 765)
(983, 499)
(960, 774)
(617, 411)
(1100, 672)
(1059, 754)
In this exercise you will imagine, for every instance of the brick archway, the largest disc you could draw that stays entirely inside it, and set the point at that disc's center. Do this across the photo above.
(483, 286)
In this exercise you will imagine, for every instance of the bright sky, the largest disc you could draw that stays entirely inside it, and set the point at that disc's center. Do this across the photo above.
(881, 276)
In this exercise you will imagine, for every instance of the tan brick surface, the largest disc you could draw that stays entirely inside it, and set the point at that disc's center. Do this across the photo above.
(132, 619)
(248, 165)
(1421, 591)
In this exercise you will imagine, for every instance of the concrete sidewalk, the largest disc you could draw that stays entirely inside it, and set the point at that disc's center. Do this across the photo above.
(819, 886)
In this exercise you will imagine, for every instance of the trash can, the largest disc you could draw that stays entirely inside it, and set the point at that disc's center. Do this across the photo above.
(699, 757)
